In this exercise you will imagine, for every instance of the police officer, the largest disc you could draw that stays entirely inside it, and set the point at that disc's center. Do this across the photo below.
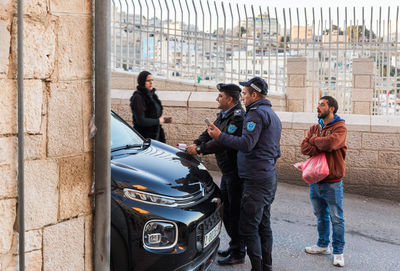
(229, 120)
(258, 150)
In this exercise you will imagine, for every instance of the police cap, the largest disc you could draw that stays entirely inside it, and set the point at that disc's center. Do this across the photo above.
(230, 89)
(258, 84)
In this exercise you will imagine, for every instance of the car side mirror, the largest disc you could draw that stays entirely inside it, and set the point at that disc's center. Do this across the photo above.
(147, 142)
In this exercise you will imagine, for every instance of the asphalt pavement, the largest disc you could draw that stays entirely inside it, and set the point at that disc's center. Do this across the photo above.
(372, 233)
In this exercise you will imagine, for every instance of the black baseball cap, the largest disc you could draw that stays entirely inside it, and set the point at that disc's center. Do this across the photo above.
(258, 84)
(230, 89)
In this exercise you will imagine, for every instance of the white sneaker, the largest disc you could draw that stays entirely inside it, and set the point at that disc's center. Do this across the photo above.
(338, 260)
(317, 250)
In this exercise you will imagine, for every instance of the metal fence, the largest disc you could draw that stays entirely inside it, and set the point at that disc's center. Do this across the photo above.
(203, 41)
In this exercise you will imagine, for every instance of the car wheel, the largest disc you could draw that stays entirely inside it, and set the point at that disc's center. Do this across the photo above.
(119, 252)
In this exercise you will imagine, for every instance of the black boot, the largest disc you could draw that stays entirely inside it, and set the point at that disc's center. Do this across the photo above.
(267, 262)
(224, 253)
(231, 259)
(267, 267)
(256, 264)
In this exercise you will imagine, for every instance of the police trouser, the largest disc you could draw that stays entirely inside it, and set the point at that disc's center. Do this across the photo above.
(231, 189)
(255, 224)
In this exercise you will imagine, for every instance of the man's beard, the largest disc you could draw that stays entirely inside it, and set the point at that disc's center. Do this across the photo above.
(323, 115)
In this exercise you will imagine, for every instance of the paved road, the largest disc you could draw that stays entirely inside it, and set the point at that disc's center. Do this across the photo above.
(372, 233)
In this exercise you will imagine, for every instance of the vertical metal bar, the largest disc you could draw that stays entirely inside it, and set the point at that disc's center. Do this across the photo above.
(380, 39)
(329, 49)
(168, 39)
(209, 44)
(276, 52)
(363, 32)
(114, 49)
(298, 32)
(313, 59)
(188, 41)
(21, 142)
(195, 42)
(291, 29)
(102, 218)
(388, 61)
(232, 42)
(306, 31)
(239, 42)
(338, 91)
(175, 40)
(322, 52)
(261, 41)
(120, 35)
(133, 36)
(127, 34)
(254, 40)
(160, 69)
(223, 10)
(370, 30)
(217, 44)
(349, 110)
(247, 40)
(397, 80)
(202, 41)
(269, 47)
(147, 36)
(140, 35)
(181, 38)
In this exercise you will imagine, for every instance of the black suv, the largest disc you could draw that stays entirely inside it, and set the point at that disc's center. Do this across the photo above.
(165, 207)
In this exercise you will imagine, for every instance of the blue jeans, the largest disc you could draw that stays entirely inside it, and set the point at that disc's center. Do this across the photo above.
(326, 199)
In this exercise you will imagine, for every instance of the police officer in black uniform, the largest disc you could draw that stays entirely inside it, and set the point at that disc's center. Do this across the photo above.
(258, 150)
(229, 120)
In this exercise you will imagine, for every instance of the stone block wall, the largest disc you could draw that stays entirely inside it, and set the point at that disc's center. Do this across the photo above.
(363, 85)
(58, 151)
(373, 167)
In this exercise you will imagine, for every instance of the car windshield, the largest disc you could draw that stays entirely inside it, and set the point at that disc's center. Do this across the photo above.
(122, 136)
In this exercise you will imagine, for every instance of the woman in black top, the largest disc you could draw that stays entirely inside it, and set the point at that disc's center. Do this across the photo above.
(147, 109)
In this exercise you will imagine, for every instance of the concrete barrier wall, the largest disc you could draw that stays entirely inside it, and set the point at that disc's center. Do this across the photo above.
(373, 158)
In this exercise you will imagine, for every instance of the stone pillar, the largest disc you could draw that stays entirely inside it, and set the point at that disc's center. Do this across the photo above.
(296, 93)
(363, 85)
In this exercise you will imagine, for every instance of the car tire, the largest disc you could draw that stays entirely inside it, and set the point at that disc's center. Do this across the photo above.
(119, 260)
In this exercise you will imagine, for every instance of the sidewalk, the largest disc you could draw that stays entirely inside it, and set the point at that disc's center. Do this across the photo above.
(372, 233)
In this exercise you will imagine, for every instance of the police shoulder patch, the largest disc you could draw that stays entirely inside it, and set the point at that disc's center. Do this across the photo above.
(250, 126)
(237, 112)
(232, 128)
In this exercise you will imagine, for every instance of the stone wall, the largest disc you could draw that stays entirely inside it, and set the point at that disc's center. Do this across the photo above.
(58, 152)
(373, 166)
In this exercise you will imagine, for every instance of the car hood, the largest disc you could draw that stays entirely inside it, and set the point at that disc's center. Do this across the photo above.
(160, 169)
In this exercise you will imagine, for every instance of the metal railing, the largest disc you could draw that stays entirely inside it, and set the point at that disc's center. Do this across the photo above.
(203, 41)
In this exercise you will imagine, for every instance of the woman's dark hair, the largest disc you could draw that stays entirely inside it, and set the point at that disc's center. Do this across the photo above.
(142, 78)
(331, 102)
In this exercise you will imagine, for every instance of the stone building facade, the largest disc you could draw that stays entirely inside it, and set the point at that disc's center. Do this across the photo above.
(58, 151)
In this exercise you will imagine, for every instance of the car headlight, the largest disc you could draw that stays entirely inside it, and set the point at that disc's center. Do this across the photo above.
(160, 234)
(149, 197)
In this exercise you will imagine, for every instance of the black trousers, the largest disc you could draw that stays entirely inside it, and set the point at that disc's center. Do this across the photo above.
(231, 189)
(255, 213)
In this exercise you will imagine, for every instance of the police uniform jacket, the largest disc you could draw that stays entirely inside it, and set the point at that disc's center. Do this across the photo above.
(231, 124)
(146, 111)
(258, 147)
